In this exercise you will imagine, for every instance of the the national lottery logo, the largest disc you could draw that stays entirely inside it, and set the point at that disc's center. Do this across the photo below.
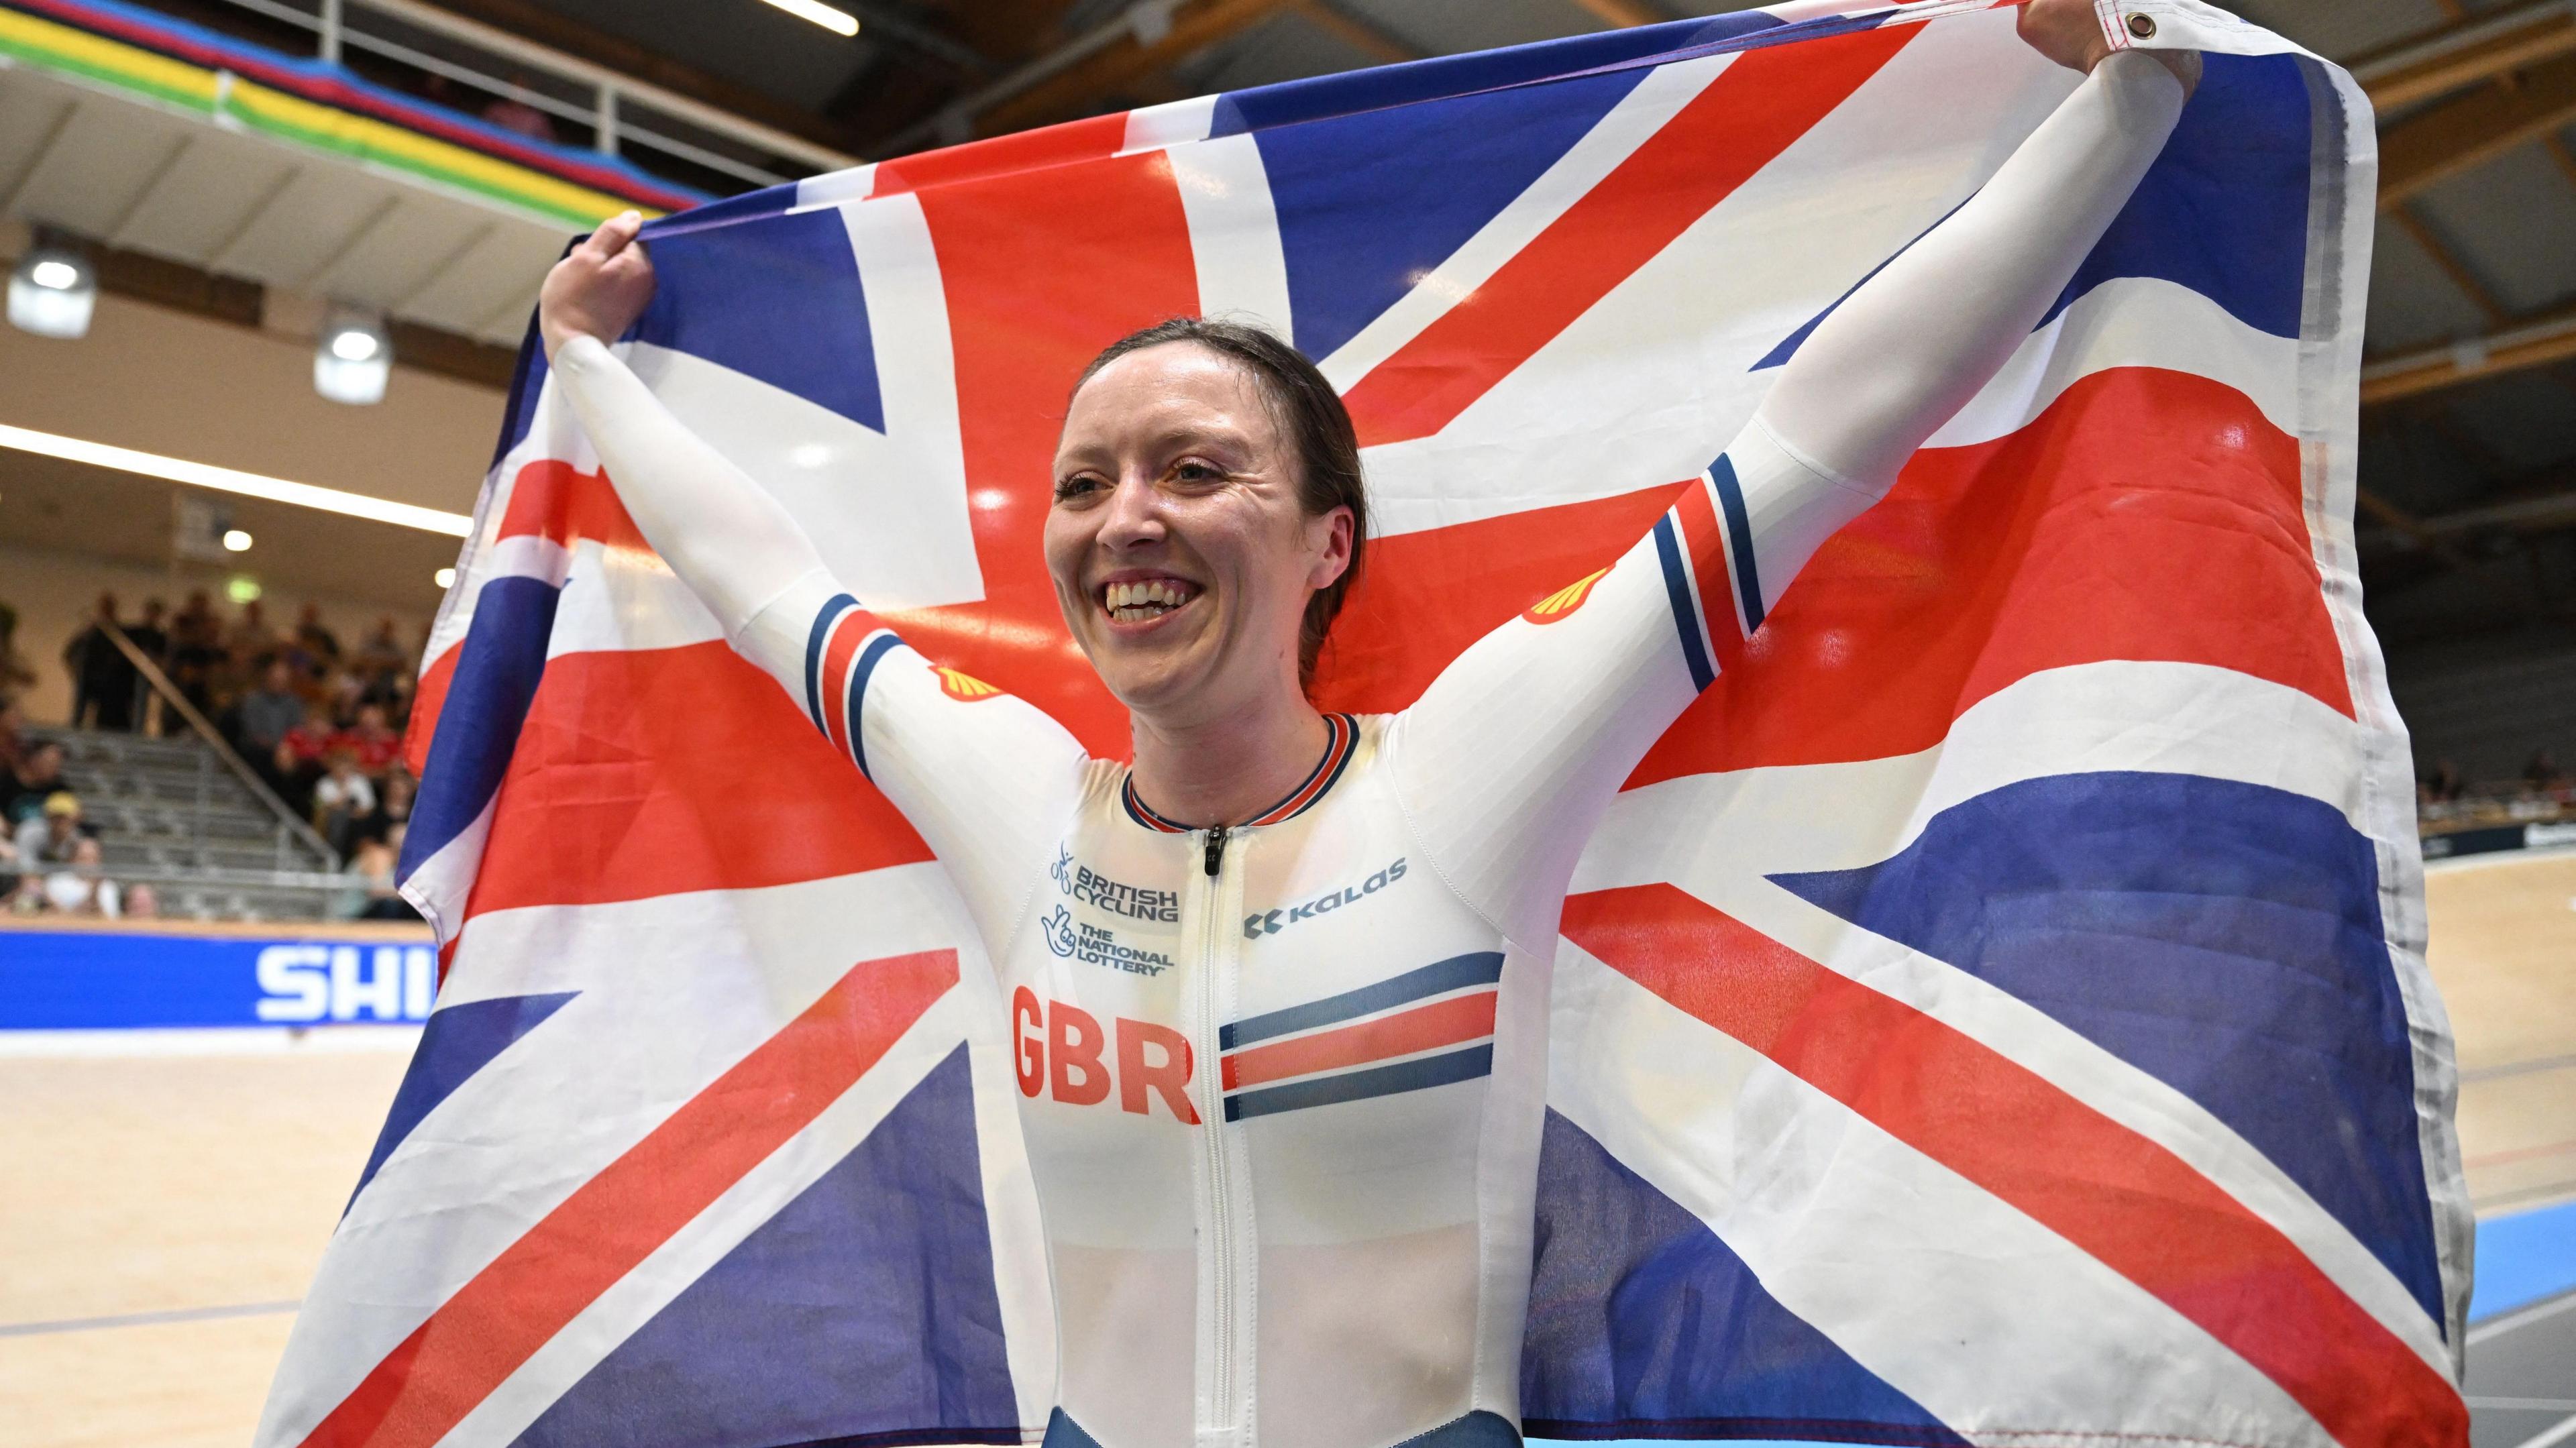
(1071, 939)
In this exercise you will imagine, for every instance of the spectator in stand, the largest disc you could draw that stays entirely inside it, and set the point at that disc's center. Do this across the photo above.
(341, 798)
(298, 760)
(512, 114)
(151, 633)
(393, 808)
(375, 743)
(196, 657)
(265, 714)
(13, 742)
(15, 676)
(250, 640)
(23, 791)
(371, 894)
(2542, 775)
(103, 678)
(140, 903)
(82, 889)
(382, 654)
(50, 837)
(2442, 786)
(316, 638)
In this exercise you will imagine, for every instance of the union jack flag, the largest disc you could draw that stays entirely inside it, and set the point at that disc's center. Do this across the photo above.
(1995, 1013)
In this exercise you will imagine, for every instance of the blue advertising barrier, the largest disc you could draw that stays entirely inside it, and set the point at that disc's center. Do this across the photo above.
(94, 980)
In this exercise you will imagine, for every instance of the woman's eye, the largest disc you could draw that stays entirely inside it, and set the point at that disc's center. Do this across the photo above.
(1068, 489)
(1197, 472)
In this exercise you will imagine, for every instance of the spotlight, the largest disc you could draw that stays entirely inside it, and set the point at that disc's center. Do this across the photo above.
(236, 541)
(353, 360)
(241, 588)
(52, 293)
(444, 578)
(839, 22)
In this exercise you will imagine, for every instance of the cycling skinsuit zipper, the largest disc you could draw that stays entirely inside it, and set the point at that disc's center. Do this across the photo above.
(1220, 1205)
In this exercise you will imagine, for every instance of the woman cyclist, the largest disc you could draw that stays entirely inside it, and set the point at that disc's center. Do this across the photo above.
(1279, 989)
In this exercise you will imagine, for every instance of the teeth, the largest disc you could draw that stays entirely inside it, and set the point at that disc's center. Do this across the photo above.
(1135, 602)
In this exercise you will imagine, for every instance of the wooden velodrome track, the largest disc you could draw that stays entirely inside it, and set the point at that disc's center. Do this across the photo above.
(161, 1213)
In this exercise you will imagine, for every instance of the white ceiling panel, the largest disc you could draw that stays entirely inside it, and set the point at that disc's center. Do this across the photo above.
(497, 277)
(400, 248)
(96, 167)
(202, 203)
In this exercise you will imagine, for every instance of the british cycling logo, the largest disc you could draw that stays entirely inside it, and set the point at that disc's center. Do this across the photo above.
(1271, 922)
(1146, 907)
(1095, 945)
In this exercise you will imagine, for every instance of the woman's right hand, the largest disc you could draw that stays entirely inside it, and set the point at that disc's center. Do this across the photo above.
(599, 288)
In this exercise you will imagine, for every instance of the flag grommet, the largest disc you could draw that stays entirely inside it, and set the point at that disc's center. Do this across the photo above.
(2143, 26)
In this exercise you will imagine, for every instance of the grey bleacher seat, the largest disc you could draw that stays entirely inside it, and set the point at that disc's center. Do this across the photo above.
(170, 811)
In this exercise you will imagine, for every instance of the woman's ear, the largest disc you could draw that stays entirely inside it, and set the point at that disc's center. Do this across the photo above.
(1335, 542)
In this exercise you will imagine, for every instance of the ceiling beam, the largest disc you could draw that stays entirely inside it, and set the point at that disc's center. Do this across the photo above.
(2455, 135)
(2450, 265)
(2537, 343)
(1623, 13)
(2463, 52)
(1354, 32)
(1111, 69)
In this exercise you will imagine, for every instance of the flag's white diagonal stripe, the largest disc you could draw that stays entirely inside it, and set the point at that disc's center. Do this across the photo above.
(1616, 136)
(635, 1298)
(698, 981)
(1234, 231)
(2005, 1332)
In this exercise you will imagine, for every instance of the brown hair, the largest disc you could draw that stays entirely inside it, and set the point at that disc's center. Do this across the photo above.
(1306, 408)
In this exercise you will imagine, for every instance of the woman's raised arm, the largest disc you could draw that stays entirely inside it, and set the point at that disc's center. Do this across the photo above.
(1508, 758)
(722, 533)
(986, 778)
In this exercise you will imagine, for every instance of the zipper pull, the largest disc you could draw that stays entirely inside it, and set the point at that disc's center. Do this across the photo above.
(1215, 849)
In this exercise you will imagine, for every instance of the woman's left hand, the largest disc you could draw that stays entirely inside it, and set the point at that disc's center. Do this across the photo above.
(2070, 33)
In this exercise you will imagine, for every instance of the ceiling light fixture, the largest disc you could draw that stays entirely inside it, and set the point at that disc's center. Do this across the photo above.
(232, 480)
(236, 541)
(52, 293)
(839, 22)
(445, 578)
(353, 360)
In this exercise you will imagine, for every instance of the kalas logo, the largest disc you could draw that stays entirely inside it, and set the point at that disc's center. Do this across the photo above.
(1271, 922)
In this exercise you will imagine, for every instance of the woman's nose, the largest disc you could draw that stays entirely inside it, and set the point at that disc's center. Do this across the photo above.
(1135, 514)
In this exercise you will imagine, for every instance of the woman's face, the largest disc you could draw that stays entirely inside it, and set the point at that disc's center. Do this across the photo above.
(1181, 554)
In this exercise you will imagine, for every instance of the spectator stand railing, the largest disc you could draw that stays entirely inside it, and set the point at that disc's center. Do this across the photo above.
(606, 96)
(292, 830)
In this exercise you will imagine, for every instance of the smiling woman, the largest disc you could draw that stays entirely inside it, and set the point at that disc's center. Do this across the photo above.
(1279, 987)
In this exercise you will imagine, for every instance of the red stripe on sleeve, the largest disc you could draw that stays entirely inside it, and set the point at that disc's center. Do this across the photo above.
(852, 626)
(1704, 537)
(2126, 1200)
(612, 1222)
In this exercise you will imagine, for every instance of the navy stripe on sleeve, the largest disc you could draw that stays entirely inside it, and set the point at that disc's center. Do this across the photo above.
(1668, 546)
(867, 664)
(1739, 537)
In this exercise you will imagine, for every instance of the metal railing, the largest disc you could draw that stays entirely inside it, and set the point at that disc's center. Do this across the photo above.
(609, 93)
(290, 825)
